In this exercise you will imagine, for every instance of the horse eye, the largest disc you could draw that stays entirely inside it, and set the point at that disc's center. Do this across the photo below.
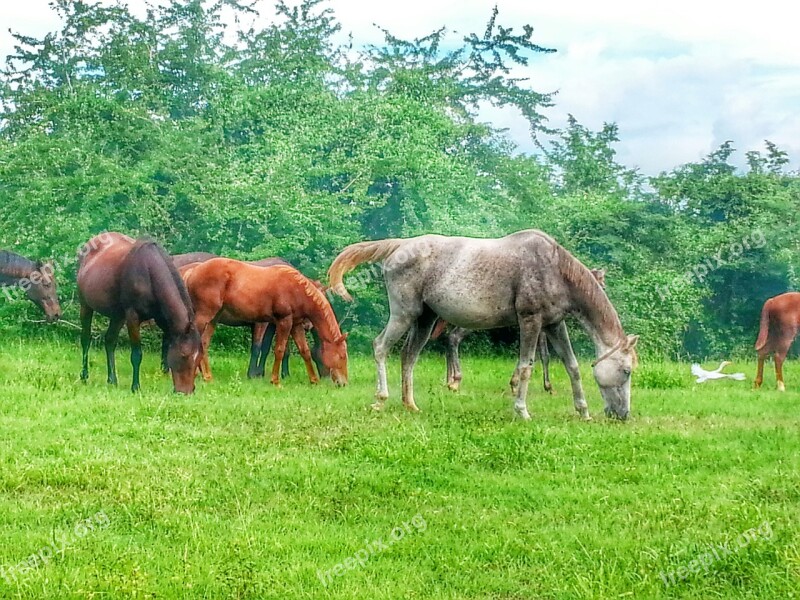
(626, 371)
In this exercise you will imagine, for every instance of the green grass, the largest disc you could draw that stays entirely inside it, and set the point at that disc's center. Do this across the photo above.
(247, 491)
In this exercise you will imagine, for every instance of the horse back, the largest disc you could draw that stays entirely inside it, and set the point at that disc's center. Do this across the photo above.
(99, 271)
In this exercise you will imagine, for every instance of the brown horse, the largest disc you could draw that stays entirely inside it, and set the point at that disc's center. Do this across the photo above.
(457, 335)
(280, 295)
(261, 334)
(34, 278)
(129, 282)
(780, 319)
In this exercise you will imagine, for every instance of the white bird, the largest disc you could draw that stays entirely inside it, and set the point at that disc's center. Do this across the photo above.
(703, 375)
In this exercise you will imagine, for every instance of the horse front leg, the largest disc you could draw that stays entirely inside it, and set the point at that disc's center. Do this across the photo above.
(164, 352)
(86, 339)
(112, 335)
(454, 339)
(559, 337)
(136, 348)
(282, 329)
(299, 337)
(529, 328)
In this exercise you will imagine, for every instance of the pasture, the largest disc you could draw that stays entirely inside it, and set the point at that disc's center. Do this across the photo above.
(247, 491)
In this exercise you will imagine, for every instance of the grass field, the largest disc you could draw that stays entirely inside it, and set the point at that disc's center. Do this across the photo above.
(247, 491)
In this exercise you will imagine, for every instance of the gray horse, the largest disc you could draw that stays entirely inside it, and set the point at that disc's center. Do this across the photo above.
(525, 279)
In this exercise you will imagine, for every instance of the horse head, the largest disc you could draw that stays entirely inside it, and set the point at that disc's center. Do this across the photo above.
(612, 371)
(41, 290)
(183, 358)
(334, 358)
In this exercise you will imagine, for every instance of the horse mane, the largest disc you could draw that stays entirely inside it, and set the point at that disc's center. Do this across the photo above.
(316, 296)
(13, 264)
(590, 292)
(147, 243)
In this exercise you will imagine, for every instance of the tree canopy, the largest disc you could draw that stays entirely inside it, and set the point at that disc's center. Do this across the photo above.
(285, 141)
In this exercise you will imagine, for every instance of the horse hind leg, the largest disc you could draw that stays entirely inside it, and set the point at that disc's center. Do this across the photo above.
(418, 336)
(454, 339)
(256, 338)
(112, 336)
(391, 334)
(780, 357)
(544, 356)
(762, 356)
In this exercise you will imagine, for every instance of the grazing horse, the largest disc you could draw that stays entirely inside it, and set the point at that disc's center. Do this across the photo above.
(525, 279)
(262, 334)
(36, 280)
(129, 282)
(280, 295)
(457, 335)
(780, 319)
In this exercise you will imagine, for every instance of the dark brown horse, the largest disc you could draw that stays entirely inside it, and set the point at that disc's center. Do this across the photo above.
(262, 334)
(129, 282)
(780, 319)
(280, 295)
(457, 335)
(34, 278)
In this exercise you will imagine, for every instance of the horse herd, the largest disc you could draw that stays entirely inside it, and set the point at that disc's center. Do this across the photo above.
(524, 280)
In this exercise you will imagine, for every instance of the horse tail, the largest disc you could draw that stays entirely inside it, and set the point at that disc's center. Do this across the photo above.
(763, 332)
(354, 255)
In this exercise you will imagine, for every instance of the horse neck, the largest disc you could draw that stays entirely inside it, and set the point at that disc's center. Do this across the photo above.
(323, 319)
(599, 318)
(168, 294)
(14, 267)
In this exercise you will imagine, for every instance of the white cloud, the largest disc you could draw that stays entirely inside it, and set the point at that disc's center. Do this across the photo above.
(679, 78)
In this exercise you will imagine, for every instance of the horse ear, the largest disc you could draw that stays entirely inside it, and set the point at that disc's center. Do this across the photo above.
(342, 337)
(631, 342)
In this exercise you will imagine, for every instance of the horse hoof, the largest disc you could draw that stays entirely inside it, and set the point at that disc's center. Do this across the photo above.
(781, 387)
(377, 406)
(412, 408)
(523, 414)
(453, 386)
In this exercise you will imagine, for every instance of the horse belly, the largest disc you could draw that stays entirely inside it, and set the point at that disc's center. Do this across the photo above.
(473, 311)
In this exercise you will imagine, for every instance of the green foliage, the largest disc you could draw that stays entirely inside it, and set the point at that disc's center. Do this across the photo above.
(281, 141)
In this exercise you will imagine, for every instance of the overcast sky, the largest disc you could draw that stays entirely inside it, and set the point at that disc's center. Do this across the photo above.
(679, 77)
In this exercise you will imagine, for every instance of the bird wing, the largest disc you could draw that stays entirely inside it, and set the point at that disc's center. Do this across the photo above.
(698, 371)
(736, 376)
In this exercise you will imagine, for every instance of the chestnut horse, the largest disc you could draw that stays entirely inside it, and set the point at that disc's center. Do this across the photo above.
(262, 334)
(280, 295)
(457, 335)
(34, 278)
(780, 319)
(131, 281)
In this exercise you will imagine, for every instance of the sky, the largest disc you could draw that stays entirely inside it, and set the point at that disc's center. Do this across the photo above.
(678, 78)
